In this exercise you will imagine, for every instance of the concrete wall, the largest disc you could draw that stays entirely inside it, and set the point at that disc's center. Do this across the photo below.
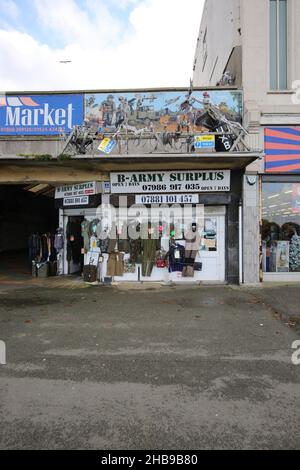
(221, 25)
(244, 23)
(27, 146)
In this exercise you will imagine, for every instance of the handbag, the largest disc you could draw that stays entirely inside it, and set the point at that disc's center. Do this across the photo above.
(89, 273)
(161, 263)
(43, 269)
(198, 266)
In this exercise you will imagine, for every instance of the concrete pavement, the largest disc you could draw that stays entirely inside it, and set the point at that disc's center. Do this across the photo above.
(149, 368)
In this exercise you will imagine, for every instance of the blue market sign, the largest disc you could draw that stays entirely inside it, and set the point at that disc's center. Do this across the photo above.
(40, 114)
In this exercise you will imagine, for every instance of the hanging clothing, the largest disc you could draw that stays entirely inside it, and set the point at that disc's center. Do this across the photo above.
(135, 250)
(112, 245)
(59, 240)
(85, 235)
(188, 271)
(193, 240)
(44, 248)
(93, 244)
(52, 249)
(115, 264)
(104, 244)
(189, 263)
(123, 245)
(34, 246)
(93, 226)
(149, 248)
(176, 258)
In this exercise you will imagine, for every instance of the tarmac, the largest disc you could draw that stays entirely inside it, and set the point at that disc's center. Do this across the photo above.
(149, 367)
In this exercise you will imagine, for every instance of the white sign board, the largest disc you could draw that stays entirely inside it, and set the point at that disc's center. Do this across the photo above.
(206, 181)
(76, 190)
(76, 201)
(167, 199)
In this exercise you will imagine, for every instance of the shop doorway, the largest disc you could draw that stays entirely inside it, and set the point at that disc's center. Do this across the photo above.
(74, 244)
(211, 255)
(24, 210)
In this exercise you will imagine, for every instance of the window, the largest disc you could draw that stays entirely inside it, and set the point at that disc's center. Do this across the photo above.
(278, 44)
(281, 227)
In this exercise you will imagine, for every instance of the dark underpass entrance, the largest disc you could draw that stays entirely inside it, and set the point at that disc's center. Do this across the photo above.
(24, 211)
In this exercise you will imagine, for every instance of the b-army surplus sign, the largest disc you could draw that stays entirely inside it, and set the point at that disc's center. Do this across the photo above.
(170, 182)
(78, 195)
(77, 190)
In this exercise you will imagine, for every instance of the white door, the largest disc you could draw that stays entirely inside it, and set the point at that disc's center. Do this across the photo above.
(212, 252)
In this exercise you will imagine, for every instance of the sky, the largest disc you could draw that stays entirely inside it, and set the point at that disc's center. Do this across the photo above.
(110, 43)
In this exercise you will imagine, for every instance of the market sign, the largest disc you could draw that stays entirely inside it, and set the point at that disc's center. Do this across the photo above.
(204, 142)
(78, 190)
(167, 199)
(170, 182)
(45, 114)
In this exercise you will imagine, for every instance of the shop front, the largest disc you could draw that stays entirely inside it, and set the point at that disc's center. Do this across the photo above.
(281, 205)
(180, 226)
(148, 185)
(281, 228)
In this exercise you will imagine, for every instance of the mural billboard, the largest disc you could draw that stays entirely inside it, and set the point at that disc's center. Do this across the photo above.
(282, 149)
(40, 114)
(154, 120)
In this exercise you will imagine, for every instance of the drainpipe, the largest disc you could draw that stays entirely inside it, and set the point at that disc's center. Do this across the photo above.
(241, 271)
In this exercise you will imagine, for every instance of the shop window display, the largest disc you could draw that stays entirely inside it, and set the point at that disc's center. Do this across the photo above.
(158, 246)
(281, 228)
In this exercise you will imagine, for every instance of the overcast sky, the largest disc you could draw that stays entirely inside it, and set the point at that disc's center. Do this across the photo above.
(111, 43)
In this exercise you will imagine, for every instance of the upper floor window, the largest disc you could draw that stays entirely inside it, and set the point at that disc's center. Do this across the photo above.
(278, 44)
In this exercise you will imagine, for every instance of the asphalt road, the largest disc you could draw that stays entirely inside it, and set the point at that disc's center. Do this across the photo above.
(150, 368)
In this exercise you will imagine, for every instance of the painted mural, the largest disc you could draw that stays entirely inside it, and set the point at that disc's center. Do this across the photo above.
(164, 110)
(158, 120)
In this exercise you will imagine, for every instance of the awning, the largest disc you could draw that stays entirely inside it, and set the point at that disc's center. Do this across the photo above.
(214, 161)
(80, 168)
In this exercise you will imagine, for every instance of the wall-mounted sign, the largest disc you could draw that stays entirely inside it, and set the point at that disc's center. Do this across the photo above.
(106, 145)
(76, 201)
(106, 187)
(77, 190)
(282, 149)
(170, 182)
(40, 114)
(204, 142)
(167, 199)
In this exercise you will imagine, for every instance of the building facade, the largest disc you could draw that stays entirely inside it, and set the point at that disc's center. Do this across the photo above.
(256, 46)
(143, 185)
